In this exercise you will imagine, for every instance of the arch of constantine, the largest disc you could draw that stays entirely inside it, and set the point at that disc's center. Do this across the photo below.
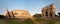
(48, 11)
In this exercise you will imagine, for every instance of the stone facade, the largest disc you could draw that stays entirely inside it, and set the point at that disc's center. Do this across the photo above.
(48, 11)
(18, 14)
(21, 14)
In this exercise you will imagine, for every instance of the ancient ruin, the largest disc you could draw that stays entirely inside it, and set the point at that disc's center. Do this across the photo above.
(18, 14)
(48, 11)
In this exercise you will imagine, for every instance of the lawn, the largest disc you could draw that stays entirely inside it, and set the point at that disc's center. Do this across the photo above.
(21, 22)
(29, 21)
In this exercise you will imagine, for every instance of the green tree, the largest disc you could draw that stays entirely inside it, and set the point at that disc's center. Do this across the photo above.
(37, 15)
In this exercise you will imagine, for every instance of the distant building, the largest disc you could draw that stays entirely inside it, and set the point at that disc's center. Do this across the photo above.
(18, 14)
(49, 11)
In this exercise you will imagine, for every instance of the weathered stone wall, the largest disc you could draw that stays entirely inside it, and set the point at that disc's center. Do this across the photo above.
(49, 11)
(18, 14)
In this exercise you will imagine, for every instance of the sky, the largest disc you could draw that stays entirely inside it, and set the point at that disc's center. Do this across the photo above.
(33, 6)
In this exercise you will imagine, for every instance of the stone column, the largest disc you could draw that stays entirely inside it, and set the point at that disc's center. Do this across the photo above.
(44, 14)
(48, 11)
(53, 9)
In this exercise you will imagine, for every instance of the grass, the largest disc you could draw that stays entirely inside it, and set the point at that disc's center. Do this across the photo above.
(29, 21)
(43, 21)
(2, 22)
(21, 22)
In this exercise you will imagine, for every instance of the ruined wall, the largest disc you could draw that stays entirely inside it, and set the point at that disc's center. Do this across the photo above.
(21, 14)
(48, 11)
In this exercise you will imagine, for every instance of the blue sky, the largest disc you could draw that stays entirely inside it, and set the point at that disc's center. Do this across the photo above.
(33, 6)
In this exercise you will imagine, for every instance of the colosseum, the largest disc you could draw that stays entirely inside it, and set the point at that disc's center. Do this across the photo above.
(18, 14)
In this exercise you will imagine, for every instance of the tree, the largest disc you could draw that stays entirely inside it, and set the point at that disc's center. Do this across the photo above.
(59, 13)
(1, 16)
(37, 16)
